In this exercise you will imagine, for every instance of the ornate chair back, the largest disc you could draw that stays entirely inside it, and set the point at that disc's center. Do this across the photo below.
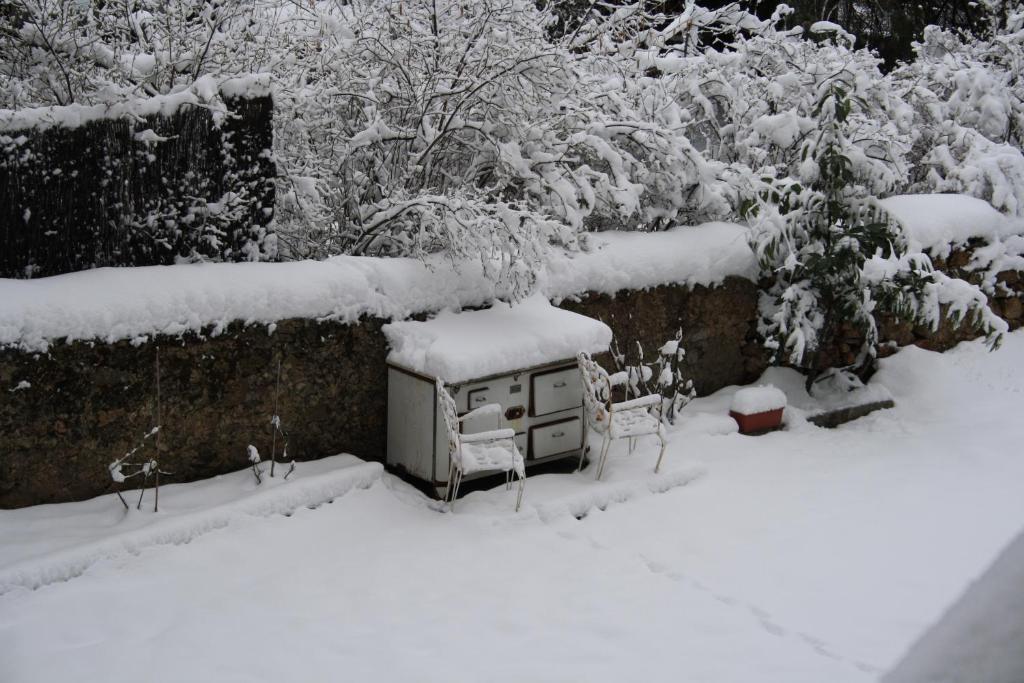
(597, 391)
(446, 404)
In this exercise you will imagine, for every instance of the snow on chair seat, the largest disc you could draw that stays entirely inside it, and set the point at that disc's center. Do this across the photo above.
(495, 450)
(635, 421)
(623, 420)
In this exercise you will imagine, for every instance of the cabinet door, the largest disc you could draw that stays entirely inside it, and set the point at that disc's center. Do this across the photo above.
(509, 391)
(555, 390)
(553, 438)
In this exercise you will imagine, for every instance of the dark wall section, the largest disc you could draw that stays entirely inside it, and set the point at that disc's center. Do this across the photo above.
(124, 192)
(88, 404)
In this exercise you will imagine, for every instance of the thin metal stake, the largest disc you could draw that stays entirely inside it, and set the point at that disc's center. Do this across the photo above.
(156, 499)
(275, 420)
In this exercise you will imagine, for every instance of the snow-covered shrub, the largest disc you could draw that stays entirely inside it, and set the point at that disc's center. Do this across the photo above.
(275, 425)
(664, 375)
(675, 387)
(967, 101)
(464, 129)
(254, 460)
(835, 259)
(489, 130)
(276, 430)
(121, 471)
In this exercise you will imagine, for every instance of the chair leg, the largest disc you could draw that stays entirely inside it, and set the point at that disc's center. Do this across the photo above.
(632, 445)
(455, 492)
(605, 447)
(583, 453)
(661, 454)
(451, 482)
(519, 498)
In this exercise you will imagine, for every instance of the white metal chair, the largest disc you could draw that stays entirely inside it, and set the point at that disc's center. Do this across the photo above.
(623, 420)
(494, 450)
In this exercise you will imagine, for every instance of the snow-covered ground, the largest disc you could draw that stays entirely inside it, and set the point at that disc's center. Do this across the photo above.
(803, 555)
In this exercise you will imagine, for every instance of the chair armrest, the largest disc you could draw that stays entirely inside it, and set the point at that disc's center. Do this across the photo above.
(618, 379)
(493, 435)
(483, 411)
(642, 402)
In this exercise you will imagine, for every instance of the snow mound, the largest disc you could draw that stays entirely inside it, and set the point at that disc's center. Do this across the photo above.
(689, 255)
(840, 389)
(111, 304)
(460, 346)
(280, 500)
(937, 222)
(758, 400)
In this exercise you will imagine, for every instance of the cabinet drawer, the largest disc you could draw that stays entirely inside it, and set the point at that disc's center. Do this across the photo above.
(555, 390)
(555, 437)
(477, 396)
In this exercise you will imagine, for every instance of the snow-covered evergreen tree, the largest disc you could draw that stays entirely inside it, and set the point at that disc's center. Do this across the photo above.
(835, 259)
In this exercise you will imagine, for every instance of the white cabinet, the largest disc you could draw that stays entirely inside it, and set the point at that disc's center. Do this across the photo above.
(543, 405)
(521, 357)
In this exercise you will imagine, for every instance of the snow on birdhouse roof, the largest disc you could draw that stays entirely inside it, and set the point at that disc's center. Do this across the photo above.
(753, 400)
(457, 347)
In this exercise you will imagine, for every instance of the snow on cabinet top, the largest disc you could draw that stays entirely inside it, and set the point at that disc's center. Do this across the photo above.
(935, 222)
(110, 304)
(457, 347)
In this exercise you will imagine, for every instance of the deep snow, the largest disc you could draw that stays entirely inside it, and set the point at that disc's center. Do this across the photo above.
(132, 303)
(456, 347)
(804, 555)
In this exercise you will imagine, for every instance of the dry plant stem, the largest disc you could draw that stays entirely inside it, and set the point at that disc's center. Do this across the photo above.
(156, 499)
(273, 442)
(142, 491)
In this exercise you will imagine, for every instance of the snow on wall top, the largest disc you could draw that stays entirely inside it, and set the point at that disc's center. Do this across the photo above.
(461, 346)
(202, 92)
(111, 304)
(698, 255)
(934, 222)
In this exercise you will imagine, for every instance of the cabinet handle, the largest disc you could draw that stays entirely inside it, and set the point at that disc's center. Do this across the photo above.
(557, 435)
(480, 399)
(559, 385)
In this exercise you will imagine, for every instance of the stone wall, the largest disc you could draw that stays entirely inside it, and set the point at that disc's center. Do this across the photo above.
(718, 325)
(87, 403)
(90, 403)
